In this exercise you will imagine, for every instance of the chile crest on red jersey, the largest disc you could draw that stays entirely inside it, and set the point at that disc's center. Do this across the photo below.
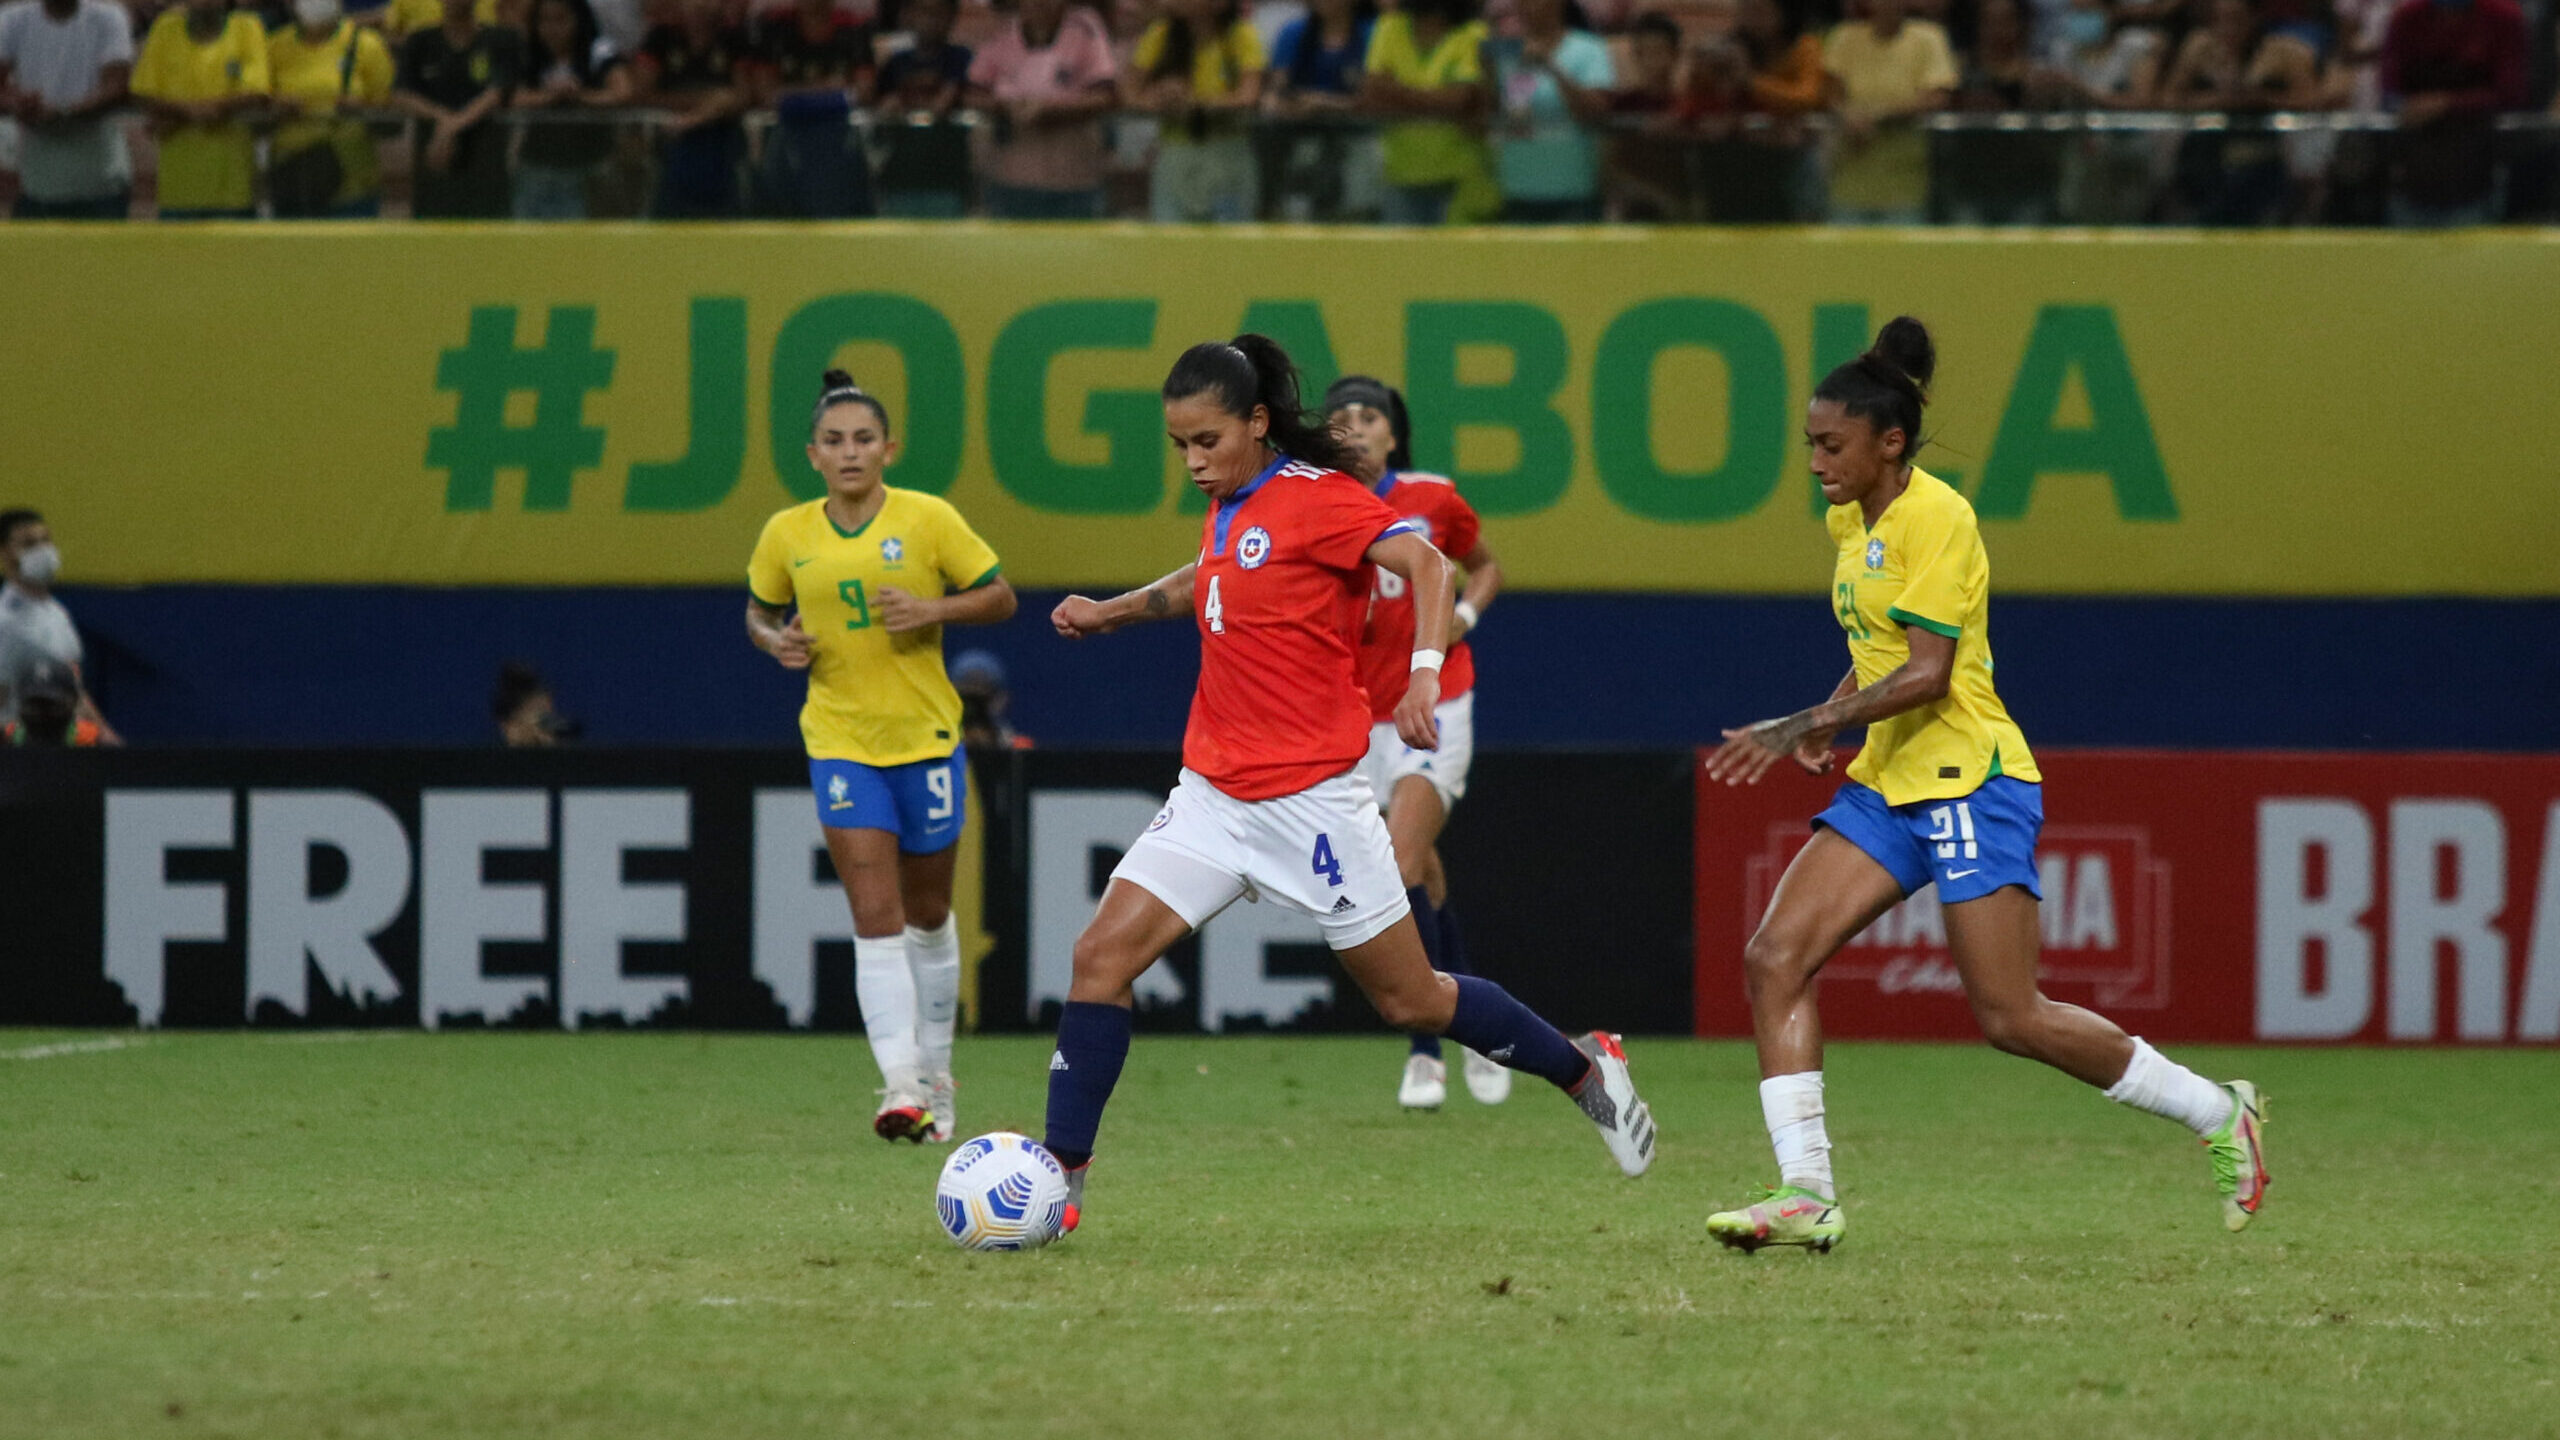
(1280, 591)
(1443, 517)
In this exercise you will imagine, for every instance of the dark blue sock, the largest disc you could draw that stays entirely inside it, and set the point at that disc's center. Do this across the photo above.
(1093, 1043)
(1453, 947)
(1503, 1030)
(1426, 922)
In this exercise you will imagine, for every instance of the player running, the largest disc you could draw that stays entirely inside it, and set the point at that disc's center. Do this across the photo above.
(1271, 800)
(1945, 791)
(874, 573)
(1418, 788)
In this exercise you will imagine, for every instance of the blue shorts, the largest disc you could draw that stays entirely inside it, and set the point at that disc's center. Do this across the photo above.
(1969, 846)
(920, 803)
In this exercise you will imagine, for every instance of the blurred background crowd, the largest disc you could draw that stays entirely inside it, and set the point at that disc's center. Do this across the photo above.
(2230, 112)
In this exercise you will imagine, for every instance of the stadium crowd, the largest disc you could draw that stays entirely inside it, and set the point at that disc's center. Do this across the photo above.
(1425, 111)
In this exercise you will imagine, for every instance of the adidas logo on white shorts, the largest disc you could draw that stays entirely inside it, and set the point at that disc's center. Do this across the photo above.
(1342, 904)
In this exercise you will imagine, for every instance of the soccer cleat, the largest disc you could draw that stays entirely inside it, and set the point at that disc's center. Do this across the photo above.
(1488, 1082)
(1075, 1197)
(904, 1115)
(2239, 1152)
(1426, 1083)
(1786, 1215)
(1608, 1096)
(945, 1107)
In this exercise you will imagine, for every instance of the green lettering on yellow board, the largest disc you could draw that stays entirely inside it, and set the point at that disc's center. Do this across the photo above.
(1622, 409)
(1841, 332)
(2117, 442)
(929, 434)
(716, 417)
(1130, 478)
(1434, 332)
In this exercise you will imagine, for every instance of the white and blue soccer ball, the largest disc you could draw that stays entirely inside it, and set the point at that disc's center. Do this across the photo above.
(1002, 1192)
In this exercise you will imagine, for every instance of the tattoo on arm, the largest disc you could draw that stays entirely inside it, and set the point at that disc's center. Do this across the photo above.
(1157, 602)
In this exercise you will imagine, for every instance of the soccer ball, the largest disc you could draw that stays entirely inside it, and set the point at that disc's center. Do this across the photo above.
(1002, 1192)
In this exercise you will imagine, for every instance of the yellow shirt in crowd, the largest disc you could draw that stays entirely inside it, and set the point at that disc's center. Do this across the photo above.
(408, 17)
(1890, 174)
(1922, 567)
(307, 77)
(1216, 70)
(1428, 152)
(204, 167)
(874, 698)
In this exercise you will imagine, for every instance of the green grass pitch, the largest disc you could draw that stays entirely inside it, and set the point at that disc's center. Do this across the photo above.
(631, 1236)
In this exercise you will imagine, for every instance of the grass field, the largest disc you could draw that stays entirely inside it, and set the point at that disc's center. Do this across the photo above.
(647, 1235)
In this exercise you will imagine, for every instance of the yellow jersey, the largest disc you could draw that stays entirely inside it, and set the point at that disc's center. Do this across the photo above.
(309, 78)
(1923, 566)
(874, 698)
(205, 167)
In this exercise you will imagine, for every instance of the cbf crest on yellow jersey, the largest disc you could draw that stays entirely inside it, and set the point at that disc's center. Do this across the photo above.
(874, 698)
(1922, 567)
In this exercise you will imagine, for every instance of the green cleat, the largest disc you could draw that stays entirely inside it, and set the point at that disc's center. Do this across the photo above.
(1785, 1215)
(2239, 1151)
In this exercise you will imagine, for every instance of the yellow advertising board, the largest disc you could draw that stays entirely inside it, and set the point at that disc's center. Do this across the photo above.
(2224, 414)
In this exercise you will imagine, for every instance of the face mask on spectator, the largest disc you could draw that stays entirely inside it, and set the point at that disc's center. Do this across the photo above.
(316, 13)
(2082, 29)
(39, 564)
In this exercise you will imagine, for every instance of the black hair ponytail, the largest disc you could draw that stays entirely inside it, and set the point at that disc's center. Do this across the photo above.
(1253, 370)
(1888, 385)
(836, 388)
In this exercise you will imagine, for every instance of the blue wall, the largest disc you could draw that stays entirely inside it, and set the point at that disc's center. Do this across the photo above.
(378, 665)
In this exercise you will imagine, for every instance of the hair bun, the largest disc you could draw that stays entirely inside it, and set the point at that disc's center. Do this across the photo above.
(835, 380)
(1905, 345)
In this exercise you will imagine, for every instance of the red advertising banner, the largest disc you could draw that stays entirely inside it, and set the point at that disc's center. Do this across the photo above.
(2230, 896)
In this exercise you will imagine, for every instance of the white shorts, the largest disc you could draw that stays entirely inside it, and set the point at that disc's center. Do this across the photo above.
(1390, 759)
(1323, 850)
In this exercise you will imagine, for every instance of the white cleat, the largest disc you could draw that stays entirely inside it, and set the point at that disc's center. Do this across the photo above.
(946, 1109)
(1488, 1082)
(1426, 1084)
(1608, 1096)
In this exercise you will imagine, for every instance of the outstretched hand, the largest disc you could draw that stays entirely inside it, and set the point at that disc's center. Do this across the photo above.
(1747, 753)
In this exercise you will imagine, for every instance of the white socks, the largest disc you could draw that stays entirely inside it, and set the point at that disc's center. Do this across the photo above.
(1792, 1104)
(2154, 1082)
(933, 956)
(886, 987)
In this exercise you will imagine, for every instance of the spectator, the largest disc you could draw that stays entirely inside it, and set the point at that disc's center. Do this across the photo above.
(925, 168)
(570, 65)
(1199, 68)
(202, 74)
(695, 67)
(979, 677)
(64, 66)
(1999, 176)
(1787, 78)
(453, 77)
(401, 19)
(2233, 64)
(1047, 78)
(1647, 176)
(522, 706)
(322, 161)
(815, 66)
(1550, 91)
(49, 715)
(1887, 71)
(1319, 167)
(1424, 74)
(2454, 64)
(35, 629)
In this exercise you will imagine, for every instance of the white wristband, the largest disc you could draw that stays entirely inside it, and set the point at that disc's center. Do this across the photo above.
(1427, 660)
(1467, 615)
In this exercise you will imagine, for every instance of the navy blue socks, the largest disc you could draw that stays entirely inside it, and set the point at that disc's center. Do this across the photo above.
(1501, 1029)
(1426, 921)
(1093, 1043)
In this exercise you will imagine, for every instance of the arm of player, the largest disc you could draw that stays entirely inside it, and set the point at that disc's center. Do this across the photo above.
(1077, 616)
(1484, 581)
(775, 631)
(1426, 575)
(1748, 753)
(989, 604)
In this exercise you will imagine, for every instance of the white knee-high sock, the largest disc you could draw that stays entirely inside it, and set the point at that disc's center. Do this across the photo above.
(934, 958)
(1792, 1104)
(2154, 1082)
(887, 990)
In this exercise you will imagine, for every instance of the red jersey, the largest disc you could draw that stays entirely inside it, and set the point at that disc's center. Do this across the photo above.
(1282, 580)
(1386, 640)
